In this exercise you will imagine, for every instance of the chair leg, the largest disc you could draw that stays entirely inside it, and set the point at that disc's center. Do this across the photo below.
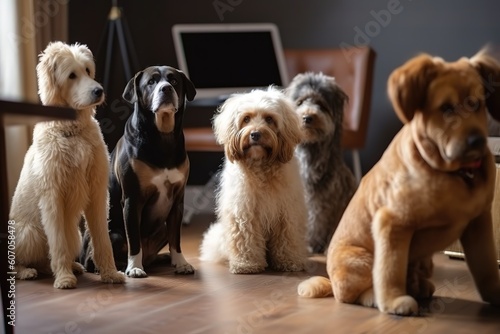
(356, 162)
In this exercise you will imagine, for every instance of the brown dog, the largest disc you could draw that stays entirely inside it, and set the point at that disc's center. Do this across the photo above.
(433, 185)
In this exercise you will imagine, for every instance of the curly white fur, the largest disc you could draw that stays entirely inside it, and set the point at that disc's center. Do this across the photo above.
(65, 174)
(260, 202)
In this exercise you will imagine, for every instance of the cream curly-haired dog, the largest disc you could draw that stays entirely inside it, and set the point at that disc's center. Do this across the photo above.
(65, 174)
(260, 205)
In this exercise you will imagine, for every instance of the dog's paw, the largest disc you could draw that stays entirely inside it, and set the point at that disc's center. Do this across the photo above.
(113, 277)
(136, 273)
(65, 282)
(236, 268)
(77, 268)
(403, 305)
(315, 287)
(289, 266)
(181, 265)
(367, 298)
(184, 269)
(27, 273)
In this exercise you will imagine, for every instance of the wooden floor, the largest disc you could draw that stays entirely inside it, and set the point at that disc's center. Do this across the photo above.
(215, 301)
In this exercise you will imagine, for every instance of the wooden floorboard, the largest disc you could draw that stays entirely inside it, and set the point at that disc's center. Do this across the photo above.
(215, 301)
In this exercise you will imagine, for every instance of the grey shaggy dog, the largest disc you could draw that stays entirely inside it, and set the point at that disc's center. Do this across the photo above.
(329, 183)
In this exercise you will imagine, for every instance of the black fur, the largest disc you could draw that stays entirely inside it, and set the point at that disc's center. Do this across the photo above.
(133, 225)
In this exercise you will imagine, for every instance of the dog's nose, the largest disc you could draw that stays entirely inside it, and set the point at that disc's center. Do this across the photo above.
(166, 89)
(97, 92)
(255, 135)
(307, 119)
(476, 141)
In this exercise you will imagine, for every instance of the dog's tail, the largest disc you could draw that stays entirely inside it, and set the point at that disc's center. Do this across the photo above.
(315, 287)
(212, 248)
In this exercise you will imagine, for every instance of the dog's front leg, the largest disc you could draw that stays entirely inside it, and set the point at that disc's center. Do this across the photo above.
(131, 216)
(96, 215)
(392, 242)
(247, 247)
(174, 224)
(287, 245)
(60, 248)
(479, 249)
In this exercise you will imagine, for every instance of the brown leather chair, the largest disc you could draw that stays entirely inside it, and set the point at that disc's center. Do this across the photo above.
(352, 68)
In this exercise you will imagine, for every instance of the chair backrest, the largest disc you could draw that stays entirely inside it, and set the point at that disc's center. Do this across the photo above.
(353, 70)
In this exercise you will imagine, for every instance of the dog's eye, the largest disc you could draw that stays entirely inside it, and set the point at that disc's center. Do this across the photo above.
(151, 81)
(269, 120)
(246, 119)
(473, 104)
(446, 108)
(87, 70)
(173, 82)
(72, 75)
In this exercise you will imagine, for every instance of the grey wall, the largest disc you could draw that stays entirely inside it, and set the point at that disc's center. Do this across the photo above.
(448, 28)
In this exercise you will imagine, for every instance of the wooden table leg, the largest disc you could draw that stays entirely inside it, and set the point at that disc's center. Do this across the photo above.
(4, 217)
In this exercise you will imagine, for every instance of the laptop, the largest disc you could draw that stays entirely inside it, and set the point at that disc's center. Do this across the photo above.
(222, 59)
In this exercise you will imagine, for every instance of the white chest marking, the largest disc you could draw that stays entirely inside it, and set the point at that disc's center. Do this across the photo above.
(162, 181)
(170, 175)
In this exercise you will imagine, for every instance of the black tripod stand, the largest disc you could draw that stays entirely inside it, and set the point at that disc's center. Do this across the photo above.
(117, 25)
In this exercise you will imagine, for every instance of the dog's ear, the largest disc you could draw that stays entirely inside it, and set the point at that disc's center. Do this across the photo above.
(291, 91)
(188, 87)
(225, 128)
(489, 70)
(339, 98)
(130, 92)
(407, 85)
(46, 73)
(84, 50)
(89, 56)
(290, 135)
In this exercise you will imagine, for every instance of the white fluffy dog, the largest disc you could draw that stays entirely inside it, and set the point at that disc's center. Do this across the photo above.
(65, 174)
(260, 203)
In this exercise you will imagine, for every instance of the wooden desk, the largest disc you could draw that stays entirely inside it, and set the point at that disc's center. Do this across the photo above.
(17, 113)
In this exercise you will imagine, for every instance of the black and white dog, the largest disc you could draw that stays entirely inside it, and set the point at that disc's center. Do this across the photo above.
(328, 182)
(149, 171)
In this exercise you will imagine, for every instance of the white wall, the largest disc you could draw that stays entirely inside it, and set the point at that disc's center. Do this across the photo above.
(17, 78)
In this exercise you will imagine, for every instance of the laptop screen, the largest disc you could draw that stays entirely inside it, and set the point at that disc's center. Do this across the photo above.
(221, 59)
